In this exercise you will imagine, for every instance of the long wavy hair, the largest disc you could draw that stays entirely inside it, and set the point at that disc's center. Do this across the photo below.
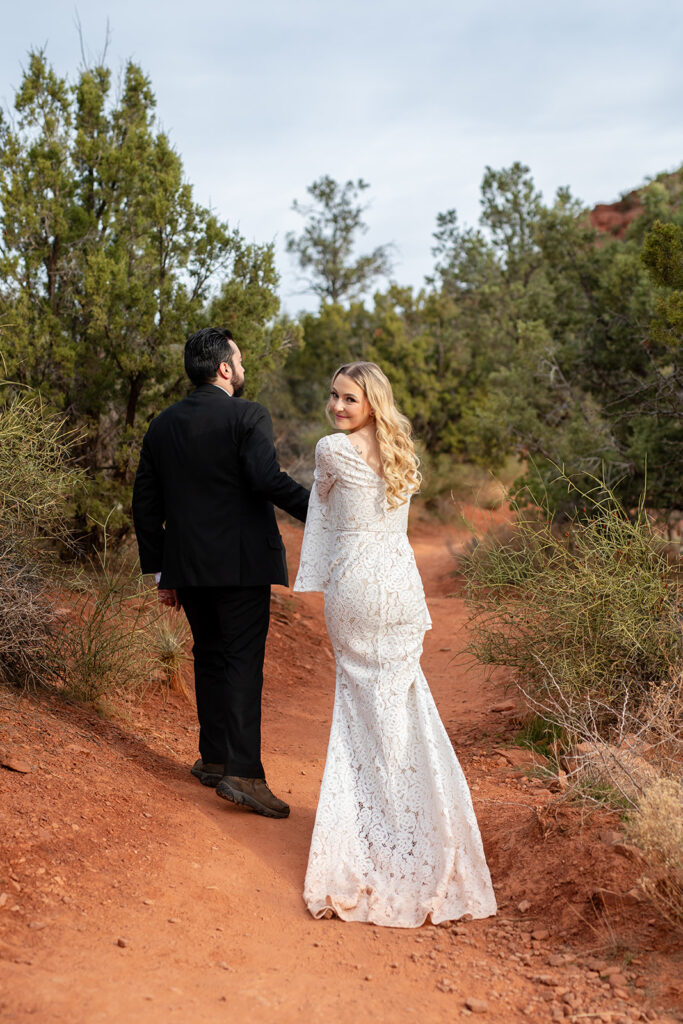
(400, 464)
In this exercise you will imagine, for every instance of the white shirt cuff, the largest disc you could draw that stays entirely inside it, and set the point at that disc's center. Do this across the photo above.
(157, 577)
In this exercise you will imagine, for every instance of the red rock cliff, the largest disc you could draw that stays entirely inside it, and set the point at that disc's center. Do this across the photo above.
(614, 218)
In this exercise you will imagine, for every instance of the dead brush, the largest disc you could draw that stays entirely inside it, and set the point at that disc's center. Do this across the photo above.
(27, 626)
(612, 765)
(96, 643)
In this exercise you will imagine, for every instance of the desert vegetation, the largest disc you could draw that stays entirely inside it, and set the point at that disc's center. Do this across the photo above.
(589, 613)
(36, 486)
(82, 622)
(589, 616)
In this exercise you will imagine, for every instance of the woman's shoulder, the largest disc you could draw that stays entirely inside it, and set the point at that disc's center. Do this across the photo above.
(331, 453)
(329, 443)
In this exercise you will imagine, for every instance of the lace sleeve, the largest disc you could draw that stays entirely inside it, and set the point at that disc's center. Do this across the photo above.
(314, 563)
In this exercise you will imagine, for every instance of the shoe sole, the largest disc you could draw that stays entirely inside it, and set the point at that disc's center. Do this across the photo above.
(206, 778)
(235, 797)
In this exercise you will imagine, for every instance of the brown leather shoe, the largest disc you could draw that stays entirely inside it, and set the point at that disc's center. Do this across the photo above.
(252, 793)
(208, 774)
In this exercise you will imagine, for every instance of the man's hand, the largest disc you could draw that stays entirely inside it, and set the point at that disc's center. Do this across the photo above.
(169, 597)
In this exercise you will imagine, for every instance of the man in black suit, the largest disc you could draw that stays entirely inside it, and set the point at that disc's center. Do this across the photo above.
(203, 511)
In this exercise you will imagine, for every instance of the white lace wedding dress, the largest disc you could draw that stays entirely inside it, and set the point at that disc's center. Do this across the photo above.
(395, 837)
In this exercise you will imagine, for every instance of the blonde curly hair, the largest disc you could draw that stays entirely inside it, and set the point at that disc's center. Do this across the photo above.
(397, 451)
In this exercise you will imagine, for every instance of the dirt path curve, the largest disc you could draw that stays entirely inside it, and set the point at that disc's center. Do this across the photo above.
(131, 893)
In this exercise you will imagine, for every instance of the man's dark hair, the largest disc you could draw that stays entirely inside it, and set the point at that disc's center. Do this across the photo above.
(204, 353)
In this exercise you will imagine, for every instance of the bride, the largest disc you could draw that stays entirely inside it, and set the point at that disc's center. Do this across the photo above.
(395, 839)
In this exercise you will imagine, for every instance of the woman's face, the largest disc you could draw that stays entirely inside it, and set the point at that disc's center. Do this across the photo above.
(348, 404)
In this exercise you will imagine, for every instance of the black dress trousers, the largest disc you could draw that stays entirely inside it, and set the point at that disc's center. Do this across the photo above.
(229, 627)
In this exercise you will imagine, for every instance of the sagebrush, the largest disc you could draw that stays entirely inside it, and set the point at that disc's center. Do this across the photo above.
(591, 612)
(37, 484)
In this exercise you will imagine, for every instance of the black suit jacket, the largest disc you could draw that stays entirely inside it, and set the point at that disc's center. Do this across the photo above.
(202, 497)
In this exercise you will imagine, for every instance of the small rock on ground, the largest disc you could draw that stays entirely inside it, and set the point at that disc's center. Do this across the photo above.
(476, 1005)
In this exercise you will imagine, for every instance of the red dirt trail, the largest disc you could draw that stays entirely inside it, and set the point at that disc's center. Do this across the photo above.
(129, 892)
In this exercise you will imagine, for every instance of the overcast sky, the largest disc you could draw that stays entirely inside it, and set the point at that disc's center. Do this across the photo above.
(262, 98)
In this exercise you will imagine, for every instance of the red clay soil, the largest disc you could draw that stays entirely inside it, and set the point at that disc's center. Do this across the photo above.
(129, 892)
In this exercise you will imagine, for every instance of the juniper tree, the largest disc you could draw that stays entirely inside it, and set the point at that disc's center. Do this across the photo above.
(107, 262)
(325, 247)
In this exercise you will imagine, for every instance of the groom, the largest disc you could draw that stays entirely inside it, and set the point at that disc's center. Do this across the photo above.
(203, 511)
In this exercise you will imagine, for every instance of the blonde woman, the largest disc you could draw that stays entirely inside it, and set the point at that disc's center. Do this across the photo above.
(395, 839)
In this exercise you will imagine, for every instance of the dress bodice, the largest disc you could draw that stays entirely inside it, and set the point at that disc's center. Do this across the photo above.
(348, 502)
(353, 492)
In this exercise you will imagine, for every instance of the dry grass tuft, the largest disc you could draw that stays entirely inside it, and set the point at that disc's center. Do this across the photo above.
(169, 638)
(102, 641)
(27, 625)
(97, 643)
(656, 826)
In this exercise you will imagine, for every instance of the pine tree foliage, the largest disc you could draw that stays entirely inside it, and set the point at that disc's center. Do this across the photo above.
(107, 262)
(325, 247)
(534, 336)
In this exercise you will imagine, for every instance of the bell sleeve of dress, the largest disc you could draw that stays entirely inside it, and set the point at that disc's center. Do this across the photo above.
(316, 547)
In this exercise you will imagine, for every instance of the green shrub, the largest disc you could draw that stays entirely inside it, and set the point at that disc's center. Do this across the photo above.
(36, 486)
(591, 613)
(37, 483)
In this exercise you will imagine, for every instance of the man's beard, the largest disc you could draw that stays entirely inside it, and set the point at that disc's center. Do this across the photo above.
(238, 389)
